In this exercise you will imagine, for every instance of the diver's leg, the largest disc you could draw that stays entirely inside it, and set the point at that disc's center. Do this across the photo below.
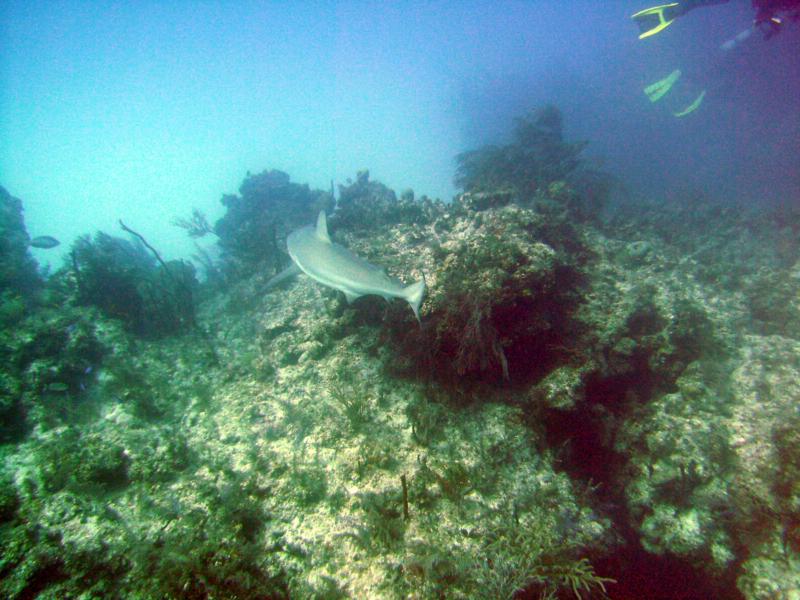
(687, 5)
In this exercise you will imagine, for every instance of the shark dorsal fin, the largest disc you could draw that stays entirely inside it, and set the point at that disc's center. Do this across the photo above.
(322, 227)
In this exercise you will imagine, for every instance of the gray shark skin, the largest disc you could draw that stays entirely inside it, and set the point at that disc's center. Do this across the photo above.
(335, 266)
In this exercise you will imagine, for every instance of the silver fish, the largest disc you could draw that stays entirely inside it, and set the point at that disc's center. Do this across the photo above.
(45, 242)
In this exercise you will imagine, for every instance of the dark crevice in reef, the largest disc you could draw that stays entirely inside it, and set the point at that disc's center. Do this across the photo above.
(507, 345)
(587, 437)
(640, 574)
(46, 575)
(588, 433)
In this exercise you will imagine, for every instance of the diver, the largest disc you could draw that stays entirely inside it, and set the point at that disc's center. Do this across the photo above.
(768, 20)
(685, 99)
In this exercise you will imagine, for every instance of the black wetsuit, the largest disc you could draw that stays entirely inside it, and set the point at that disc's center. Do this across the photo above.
(688, 5)
(765, 9)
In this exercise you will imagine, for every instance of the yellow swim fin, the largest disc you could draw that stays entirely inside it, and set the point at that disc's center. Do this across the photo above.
(655, 91)
(692, 107)
(657, 18)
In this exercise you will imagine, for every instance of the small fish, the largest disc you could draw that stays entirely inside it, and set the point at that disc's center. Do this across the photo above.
(57, 387)
(45, 242)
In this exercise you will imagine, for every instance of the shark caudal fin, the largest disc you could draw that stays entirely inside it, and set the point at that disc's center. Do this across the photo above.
(414, 294)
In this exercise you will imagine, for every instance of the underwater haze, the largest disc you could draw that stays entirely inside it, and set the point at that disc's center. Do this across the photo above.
(400, 300)
(142, 111)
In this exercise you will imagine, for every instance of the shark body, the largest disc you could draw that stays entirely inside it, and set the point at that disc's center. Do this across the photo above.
(335, 266)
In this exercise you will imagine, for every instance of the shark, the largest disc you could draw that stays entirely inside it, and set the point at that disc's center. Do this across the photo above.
(334, 266)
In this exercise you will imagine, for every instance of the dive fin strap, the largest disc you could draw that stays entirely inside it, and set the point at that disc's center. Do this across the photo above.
(653, 20)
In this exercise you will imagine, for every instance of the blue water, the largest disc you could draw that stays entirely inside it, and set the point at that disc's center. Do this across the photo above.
(144, 110)
(624, 387)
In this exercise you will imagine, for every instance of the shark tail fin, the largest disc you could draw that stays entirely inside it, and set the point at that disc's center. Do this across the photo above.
(414, 294)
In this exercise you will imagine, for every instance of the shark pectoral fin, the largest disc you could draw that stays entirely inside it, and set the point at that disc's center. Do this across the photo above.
(351, 296)
(288, 272)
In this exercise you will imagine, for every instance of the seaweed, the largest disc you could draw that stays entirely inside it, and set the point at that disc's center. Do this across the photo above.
(153, 298)
(354, 402)
(526, 555)
(383, 526)
(516, 559)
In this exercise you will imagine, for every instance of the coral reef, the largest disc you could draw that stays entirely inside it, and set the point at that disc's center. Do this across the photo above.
(363, 204)
(125, 281)
(594, 404)
(253, 231)
(500, 297)
(536, 157)
(18, 274)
